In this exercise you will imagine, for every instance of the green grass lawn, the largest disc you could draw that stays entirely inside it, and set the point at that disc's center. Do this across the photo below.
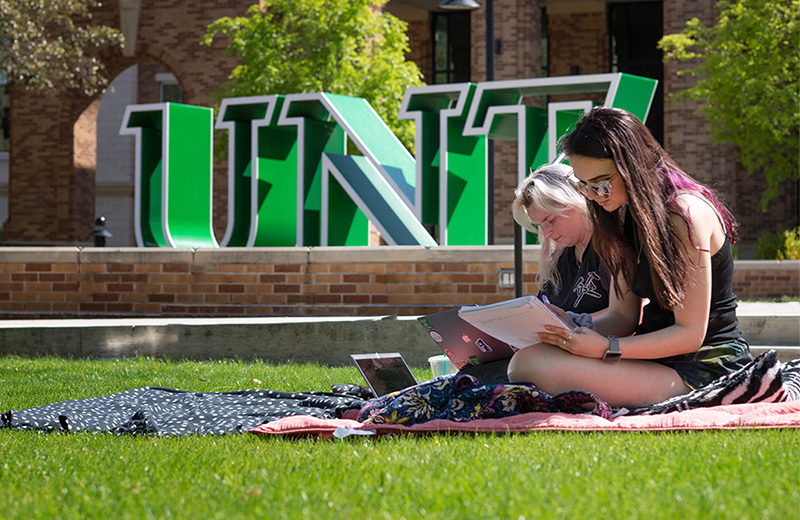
(685, 475)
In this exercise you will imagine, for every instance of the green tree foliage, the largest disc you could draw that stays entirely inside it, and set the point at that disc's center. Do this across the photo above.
(338, 46)
(44, 45)
(748, 70)
(779, 246)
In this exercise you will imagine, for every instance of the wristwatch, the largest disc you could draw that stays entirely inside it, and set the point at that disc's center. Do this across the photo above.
(613, 353)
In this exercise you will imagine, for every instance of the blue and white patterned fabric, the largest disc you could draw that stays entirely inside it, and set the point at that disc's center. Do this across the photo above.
(464, 398)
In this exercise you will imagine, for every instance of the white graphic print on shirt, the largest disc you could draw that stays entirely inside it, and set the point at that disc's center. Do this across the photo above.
(586, 286)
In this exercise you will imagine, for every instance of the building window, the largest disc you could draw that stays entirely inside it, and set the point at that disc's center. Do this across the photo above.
(451, 47)
(5, 116)
(635, 29)
(170, 90)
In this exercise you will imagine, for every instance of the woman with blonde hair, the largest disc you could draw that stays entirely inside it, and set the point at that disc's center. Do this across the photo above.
(571, 275)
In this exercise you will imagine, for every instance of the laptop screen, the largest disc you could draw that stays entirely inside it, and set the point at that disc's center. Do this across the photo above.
(384, 373)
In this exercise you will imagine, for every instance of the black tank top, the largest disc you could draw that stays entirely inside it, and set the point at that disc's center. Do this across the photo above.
(723, 325)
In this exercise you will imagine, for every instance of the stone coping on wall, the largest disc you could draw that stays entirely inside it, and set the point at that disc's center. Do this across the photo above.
(769, 265)
(304, 255)
(274, 255)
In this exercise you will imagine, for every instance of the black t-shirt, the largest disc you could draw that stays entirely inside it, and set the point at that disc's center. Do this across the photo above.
(584, 286)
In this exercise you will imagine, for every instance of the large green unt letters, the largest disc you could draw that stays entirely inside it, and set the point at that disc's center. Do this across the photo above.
(292, 182)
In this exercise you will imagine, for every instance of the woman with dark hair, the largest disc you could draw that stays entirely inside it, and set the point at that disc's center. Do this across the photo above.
(666, 240)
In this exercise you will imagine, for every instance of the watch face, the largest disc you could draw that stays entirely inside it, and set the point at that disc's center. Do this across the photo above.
(612, 357)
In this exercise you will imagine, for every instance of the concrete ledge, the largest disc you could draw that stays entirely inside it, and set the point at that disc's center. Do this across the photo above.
(250, 255)
(324, 340)
(328, 341)
(784, 353)
(134, 255)
(52, 255)
(769, 265)
(776, 324)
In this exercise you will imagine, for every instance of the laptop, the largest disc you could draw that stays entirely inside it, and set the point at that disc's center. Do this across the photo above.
(463, 343)
(384, 372)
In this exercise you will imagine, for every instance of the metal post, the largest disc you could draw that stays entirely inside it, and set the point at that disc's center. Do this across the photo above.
(518, 234)
(490, 142)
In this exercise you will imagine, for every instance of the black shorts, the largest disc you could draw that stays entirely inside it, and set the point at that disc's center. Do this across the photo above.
(709, 363)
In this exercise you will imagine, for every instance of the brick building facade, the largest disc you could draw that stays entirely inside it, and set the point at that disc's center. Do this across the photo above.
(51, 187)
(52, 192)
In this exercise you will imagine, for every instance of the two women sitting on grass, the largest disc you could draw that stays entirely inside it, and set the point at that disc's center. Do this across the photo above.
(666, 240)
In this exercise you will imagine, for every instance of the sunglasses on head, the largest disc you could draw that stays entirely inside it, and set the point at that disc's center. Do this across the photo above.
(602, 189)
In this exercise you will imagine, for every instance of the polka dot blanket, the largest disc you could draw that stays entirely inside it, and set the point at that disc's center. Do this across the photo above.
(170, 412)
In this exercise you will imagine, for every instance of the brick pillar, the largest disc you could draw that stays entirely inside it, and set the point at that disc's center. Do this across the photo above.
(50, 202)
(420, 39)
(686, 134)
(577, 38)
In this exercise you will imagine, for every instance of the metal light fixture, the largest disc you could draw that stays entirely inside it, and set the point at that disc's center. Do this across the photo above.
(459, 5)
(100, 232)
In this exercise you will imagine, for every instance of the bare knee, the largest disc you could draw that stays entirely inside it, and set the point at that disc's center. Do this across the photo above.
(537, 364)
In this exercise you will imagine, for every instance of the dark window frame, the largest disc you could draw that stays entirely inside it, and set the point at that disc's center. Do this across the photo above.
(641, 58)
(455, 29)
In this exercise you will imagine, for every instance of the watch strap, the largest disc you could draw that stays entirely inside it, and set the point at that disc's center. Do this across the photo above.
(613, 354)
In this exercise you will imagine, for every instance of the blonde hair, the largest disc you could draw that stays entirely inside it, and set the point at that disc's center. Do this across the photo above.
(548, 189)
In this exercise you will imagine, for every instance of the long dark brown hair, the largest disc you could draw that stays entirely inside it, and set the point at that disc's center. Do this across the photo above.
(652, 181)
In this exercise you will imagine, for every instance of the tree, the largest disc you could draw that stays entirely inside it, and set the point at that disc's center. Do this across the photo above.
(344, 47)
(44, 44)
(748, 71)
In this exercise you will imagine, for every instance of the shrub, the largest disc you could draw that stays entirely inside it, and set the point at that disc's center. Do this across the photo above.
(779, 245)
(791, 245)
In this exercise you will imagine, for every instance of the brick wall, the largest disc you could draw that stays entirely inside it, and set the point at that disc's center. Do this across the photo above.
(765, 279)
(42, 202)
(686, 133)
(687, 139)
(148, 90)
(780, 210)
(106, 282)
(578, 39)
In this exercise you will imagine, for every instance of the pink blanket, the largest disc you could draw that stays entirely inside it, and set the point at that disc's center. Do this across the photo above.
(746, 416)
